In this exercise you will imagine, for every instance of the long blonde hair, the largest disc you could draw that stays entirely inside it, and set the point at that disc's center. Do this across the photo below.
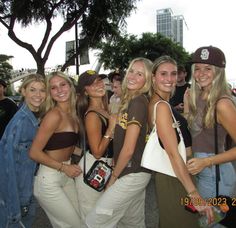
(218, 89)
(126, 95)
(50, 103)
(29, 79)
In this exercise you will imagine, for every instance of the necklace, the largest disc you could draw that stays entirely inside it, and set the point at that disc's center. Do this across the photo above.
(159, 96)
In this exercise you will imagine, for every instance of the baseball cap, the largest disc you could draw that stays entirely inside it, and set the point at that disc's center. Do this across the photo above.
(209, 55)
(87, 78)
(3, 83)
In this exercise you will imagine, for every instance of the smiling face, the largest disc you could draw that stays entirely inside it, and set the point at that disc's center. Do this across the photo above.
(96, 89)
(34, 95)
(165, 77)
(204, 75)
(136, 76)
(60, 89)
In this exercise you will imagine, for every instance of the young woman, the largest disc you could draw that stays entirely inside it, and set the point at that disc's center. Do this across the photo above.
(17, 205)
(123, 201)
(52, 147)
(172, 192)
(99, 126)
(210, 94)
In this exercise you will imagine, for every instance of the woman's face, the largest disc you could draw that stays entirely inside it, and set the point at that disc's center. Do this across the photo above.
(165, 77)
(96, 89)
(34, 95)
(60, 89)
(203, 75)
(136, 76)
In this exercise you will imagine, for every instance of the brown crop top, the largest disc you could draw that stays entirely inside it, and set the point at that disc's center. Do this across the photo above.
(60, 140)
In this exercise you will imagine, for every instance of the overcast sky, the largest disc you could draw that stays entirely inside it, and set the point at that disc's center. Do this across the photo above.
(209, 22)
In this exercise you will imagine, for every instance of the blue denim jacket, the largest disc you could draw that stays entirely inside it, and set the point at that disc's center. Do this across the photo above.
(16, 168)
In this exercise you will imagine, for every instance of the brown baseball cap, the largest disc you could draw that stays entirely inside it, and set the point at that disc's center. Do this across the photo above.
(87, 78)
(209, 55)
(3, 83)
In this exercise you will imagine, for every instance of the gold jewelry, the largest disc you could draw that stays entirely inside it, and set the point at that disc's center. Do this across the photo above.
(191, 193)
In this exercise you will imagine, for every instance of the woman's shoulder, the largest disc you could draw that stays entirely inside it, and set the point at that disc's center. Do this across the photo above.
(53, 115)
(224, 102)
(142, 98)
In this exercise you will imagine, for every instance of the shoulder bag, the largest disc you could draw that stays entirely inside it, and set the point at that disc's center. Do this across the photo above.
(98, 175)
(154, 156)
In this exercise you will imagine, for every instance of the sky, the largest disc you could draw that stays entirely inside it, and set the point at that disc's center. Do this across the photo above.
(208, 22)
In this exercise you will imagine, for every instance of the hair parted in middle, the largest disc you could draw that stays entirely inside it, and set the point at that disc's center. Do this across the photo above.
(218, 89)
(126, 95)
(50, 103)
(162, 59)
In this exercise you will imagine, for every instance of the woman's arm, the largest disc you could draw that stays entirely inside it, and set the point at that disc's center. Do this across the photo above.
(97, 142)
(47, 127)
(226, 116)
(131, 137)
(168, 137)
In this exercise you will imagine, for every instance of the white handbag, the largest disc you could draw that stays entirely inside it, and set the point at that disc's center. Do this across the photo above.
(154, 156)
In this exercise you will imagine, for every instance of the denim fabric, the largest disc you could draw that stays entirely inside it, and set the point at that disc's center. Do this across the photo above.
(206, 179)
(16, 168)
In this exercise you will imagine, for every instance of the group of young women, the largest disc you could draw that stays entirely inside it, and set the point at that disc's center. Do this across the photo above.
(73, 117)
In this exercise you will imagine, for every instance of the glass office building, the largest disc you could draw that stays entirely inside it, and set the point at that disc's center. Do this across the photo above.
(170, 25)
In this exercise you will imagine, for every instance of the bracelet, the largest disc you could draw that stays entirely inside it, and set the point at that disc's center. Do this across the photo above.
(211, 161)
(191, 193)
(108, 137)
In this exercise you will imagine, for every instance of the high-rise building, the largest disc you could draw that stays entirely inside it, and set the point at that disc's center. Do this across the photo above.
(170, 25)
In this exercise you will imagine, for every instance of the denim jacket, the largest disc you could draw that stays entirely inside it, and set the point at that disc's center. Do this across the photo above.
(16, 168)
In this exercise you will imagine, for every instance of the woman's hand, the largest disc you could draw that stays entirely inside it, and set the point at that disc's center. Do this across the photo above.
(111, 181)
(205, 209)
(196, 165)
(201, 206)
(71, 170)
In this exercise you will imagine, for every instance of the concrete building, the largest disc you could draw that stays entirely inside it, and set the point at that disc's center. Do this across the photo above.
(170, 25)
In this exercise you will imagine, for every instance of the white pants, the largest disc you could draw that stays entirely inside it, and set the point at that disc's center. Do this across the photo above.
(122, 204)
(56, 194)
(87, 196)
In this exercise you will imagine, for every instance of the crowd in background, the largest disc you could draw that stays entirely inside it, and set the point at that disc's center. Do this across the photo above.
(43, 142)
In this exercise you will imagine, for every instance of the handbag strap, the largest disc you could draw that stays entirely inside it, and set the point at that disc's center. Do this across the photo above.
(217, 167)
(175, 122)
(84, 152)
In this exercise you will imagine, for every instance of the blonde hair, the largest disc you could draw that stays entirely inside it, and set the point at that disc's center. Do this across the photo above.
(28, 80)
(126, 95)
(32, 78)
(159, 61)
(218, 89)
(50, 103)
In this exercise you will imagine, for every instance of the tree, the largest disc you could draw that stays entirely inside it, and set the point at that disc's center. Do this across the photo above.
(119, 52)
(97, 19)
(5, 67)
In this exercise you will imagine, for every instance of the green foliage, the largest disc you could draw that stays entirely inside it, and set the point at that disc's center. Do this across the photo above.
(5, 67)
(119, 52)
(98, 19)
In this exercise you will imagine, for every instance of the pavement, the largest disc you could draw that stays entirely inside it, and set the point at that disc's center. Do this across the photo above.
(151, 215)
